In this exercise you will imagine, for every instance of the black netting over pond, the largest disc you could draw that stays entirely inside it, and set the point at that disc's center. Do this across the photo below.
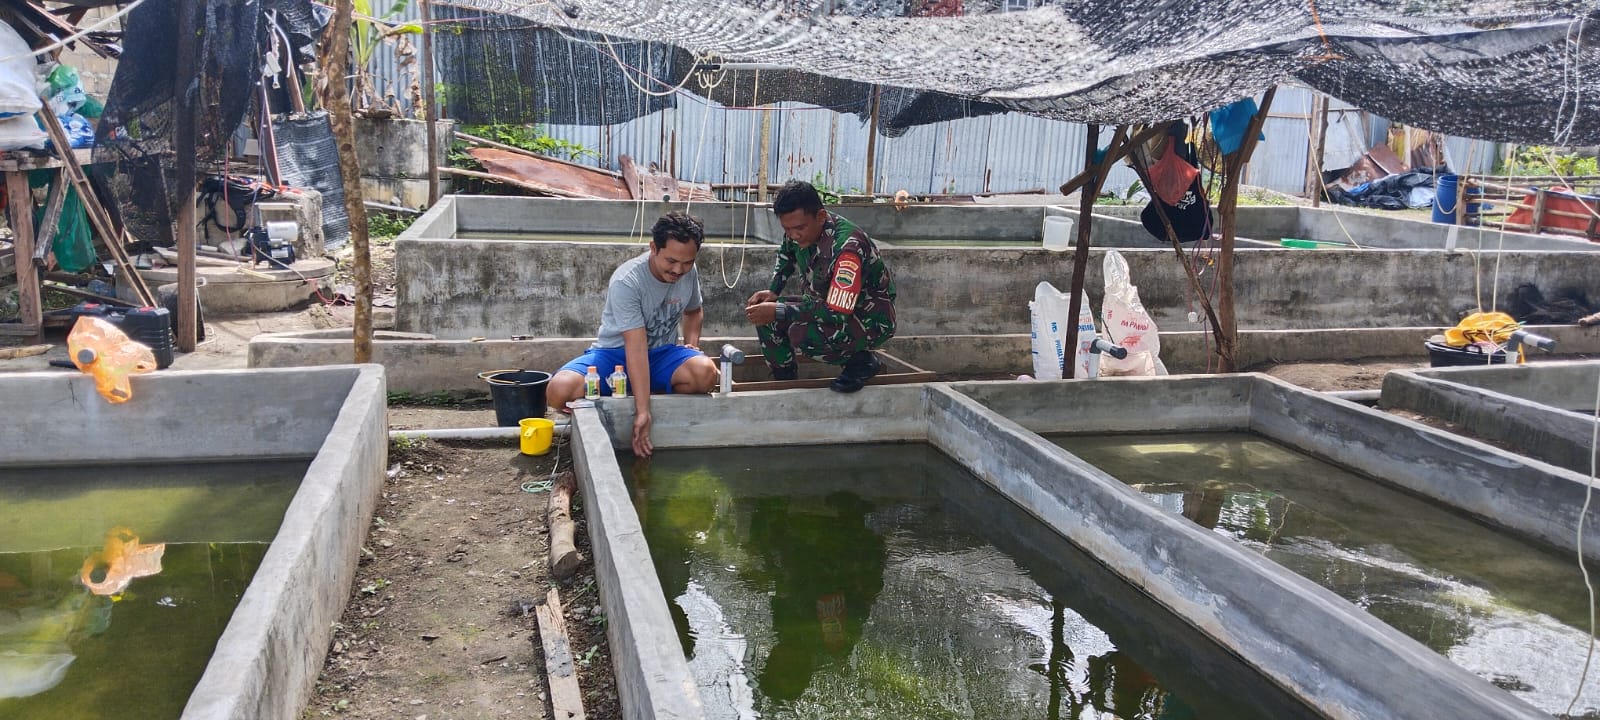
(1512, 70)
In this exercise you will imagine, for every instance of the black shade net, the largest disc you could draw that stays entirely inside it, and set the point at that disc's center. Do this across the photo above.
(1512, 70)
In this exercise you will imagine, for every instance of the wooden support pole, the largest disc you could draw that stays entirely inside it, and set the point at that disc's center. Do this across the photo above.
(872, 141)
(1227, 212)
(564, 556)
(1080, 256)
(19, 199)
(766, 149)
(336, 98)
(185, 104)
(1537, 223)
(1113, 155)
(430, 114)
(566, 698)
(1313, 180)
(51, 220)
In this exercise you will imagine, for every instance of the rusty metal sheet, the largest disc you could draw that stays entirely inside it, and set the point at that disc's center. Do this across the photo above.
(553, 173)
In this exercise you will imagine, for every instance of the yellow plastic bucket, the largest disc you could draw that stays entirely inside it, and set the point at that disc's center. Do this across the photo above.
(536, 435)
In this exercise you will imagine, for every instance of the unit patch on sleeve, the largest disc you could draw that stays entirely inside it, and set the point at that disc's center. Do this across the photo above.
(846, 285)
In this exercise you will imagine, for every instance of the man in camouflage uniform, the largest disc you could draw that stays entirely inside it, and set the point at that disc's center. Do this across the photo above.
(846, 305)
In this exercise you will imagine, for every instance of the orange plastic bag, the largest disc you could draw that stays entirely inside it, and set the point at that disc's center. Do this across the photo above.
(104, 351)
(122, 560)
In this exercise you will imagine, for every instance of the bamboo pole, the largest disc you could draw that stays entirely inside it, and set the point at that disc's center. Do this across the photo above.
(336, 98)
(1227, 212)
(430, 114)
(183, 149)
(766, 149)
(872, 142)
(1322, 147)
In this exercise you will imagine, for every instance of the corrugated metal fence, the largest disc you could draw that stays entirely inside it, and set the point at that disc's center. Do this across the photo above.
(706, 142)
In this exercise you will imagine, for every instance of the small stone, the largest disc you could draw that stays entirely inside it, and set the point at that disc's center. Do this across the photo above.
(416, 702)
(386, 543)
(516, 574)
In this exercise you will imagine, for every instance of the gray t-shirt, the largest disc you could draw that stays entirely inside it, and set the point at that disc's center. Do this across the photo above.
(636, 299)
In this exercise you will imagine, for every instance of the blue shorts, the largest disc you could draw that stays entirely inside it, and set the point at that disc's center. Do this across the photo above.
(664, 361)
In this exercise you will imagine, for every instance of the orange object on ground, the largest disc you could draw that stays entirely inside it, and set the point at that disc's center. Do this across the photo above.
(1558, 198)
(101, 349)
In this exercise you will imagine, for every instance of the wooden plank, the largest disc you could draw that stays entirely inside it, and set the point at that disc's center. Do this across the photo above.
(39, 159)
(20, 200)
(1538, 209)
(22, 329)
(511, 181)
(566, 699)
(46, 233)
(630, 177)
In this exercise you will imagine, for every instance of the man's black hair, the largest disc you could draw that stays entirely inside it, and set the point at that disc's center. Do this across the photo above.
(680, 226)
(796, 195)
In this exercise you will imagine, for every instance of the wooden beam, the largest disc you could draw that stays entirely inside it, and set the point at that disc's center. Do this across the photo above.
(19, 199)
(1113, 155)
(872, 140)
(183, 149)
(1539, 196)
(430, 114)
(566, 698)
(336, 98)
(766, 150)
(51, 219)
(1227, 212)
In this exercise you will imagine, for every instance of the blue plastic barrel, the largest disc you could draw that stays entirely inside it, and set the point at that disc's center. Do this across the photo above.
(1444, 200)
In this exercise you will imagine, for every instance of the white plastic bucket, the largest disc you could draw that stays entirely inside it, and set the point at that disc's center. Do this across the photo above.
(1058, 233)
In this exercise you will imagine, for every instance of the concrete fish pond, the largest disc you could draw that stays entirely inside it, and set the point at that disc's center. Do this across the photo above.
(720, 578)
(156, 574)
(863, 581)
(1511, 612)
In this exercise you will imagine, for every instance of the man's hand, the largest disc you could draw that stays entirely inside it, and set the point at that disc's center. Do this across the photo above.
(761, 296)
(641, 435)
(762, 313)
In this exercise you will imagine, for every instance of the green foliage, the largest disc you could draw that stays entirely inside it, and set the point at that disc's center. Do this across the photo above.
(830, 193)
(1541, 160)
(407, 444)
(1128, 196)
(531, 138)
(382, 225)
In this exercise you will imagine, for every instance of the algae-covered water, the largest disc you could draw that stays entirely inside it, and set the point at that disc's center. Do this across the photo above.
(1511, 612)
(883, 581)
(115, 582)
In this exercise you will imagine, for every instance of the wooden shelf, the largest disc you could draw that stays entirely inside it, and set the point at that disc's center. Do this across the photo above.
(15, 160)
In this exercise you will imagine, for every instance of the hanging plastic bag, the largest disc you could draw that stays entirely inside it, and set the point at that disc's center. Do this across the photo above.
(73, 243)
(101, 349)
(17, 94)
(1128, 325)
(21, 133)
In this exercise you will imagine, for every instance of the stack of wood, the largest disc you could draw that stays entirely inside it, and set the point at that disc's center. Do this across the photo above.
(1548, 204)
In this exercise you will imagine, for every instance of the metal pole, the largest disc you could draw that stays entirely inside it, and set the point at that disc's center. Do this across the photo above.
(185, 88)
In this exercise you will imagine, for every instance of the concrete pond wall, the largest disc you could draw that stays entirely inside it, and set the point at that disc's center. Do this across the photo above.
(1336, 659)
(456, 287)
(269, 656)
(1545, 411)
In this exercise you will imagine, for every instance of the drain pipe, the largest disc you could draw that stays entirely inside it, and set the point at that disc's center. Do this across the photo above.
(563, 428)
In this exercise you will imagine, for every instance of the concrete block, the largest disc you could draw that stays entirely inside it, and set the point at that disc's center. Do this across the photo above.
(397, 148)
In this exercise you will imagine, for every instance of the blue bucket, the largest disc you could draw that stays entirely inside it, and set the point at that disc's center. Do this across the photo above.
(1444, 199)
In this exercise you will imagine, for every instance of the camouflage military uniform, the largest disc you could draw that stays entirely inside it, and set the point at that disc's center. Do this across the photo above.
(847, 299)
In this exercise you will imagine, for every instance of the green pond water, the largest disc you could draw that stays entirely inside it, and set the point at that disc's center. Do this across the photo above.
(115, 582)
(1509, 611)
(883, 581)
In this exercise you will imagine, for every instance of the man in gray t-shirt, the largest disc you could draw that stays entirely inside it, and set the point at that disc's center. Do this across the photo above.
(648, 300)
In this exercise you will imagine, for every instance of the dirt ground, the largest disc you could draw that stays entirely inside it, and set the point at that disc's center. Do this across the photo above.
(440, 622)
(1326, 377)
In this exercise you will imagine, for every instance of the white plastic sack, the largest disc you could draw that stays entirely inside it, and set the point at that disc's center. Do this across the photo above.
(1050, 310)
(21, 132)
(1128, 325)
(17, 94)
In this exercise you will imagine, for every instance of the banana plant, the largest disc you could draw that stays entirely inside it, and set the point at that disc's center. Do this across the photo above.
(367, 32)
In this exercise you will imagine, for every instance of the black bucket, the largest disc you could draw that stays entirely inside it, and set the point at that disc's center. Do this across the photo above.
(517, 394)
(1441, 355)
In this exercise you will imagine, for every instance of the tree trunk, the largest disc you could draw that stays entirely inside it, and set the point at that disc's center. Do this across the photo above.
(335, 62)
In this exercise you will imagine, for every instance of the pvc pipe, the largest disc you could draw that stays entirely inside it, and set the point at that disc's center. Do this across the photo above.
(563, 428)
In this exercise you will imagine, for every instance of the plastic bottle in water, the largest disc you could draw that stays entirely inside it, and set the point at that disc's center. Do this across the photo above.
(619, 383)
(591, 383)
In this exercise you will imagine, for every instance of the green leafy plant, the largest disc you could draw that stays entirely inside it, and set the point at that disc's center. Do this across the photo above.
(382, 225)
(1542, 160)
(830, 193)
(367, 32)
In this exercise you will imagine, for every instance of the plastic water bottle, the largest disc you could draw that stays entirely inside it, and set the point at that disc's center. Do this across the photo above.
(591, 383)
(619, 383)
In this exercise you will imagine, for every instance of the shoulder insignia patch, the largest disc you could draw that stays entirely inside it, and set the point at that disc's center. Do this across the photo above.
(846, 285)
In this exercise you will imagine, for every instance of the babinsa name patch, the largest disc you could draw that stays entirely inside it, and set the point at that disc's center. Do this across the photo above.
(846, 285)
